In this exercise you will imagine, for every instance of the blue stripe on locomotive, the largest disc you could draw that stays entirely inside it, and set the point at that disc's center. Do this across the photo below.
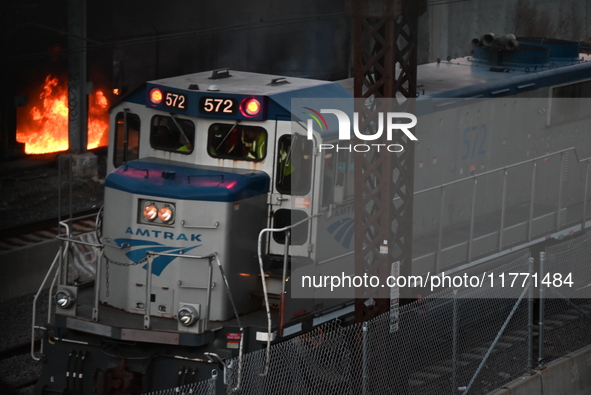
(157, 178)
(513, 83)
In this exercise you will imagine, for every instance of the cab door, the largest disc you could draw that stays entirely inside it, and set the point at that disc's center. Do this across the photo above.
(293, 189)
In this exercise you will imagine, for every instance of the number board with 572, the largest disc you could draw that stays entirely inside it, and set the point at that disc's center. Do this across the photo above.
(218, 105)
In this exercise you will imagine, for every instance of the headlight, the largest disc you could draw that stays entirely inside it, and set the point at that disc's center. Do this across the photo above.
(165, 213)
(64, 299)
(153, 212)
(187, 316)
(150, 212)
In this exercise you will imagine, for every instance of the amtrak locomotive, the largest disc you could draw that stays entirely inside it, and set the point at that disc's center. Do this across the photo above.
(215, 196)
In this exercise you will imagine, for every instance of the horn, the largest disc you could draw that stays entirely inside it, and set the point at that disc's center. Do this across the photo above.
(512, 42)
(487, 39)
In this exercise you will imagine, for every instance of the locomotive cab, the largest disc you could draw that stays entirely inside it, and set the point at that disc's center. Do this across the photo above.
(206, 154)
(208, 174)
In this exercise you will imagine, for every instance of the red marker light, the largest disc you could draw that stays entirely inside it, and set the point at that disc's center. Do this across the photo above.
(156, 96)
(250, 107)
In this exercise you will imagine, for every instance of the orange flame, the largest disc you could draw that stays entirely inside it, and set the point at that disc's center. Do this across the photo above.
(44, 128)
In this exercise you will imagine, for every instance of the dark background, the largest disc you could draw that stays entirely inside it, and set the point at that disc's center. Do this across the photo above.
(129, 42)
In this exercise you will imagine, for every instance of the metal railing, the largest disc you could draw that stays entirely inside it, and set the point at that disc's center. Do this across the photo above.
(54, 267)
(503, 210)
(286, 229)
(60, 270)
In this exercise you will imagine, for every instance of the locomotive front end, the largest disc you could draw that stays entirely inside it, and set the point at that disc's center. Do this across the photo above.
(187, 272)
(172, 233)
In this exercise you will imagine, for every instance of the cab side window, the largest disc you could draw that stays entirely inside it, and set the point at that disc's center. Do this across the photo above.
(328, 182)
(566, 104)
(127, 138)
(294, 165)
(339, 176)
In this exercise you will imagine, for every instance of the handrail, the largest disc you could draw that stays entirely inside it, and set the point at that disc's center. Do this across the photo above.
(60, 266)
(86, 243)
(283, 278)
(210, 257)
(265, 293)
(505, 169)
(85, 216)
(53, 266)
(241, 346)
(214, 226)
(67, 238)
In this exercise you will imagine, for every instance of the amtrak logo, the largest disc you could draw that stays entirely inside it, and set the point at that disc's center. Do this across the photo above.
(139, 249)
(342, 231)
(154, 233)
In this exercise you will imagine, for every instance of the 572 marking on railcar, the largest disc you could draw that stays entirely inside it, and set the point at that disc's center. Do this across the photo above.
(175, 100)
(217, 105)
(474, 139)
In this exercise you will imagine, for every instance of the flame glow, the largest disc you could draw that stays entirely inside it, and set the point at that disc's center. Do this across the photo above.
(44, 128)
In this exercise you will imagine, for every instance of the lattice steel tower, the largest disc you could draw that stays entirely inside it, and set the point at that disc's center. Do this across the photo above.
(385, 65)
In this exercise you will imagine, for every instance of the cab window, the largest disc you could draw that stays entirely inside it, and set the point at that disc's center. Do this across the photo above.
(127, 138)
(328, 182)
(172, 134)
(339, 176)
(239, 142)
(566, 104)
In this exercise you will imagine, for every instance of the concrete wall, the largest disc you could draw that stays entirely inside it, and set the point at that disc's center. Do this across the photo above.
(570, 375)
(448, 26)
(148, 40)
(155, 39)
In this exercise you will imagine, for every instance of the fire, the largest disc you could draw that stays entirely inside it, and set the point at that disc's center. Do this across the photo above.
(44, 128)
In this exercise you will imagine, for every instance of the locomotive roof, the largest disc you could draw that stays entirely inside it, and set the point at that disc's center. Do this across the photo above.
(464, 77)
(534, 64)
(246, 83)
(277, 91)
(492, 72)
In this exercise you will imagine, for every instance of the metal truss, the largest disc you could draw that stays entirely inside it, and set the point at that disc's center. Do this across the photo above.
(385, 66)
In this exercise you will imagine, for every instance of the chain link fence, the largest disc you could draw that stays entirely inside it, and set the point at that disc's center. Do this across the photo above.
(566, 311)
(458, 341)
(442, 345)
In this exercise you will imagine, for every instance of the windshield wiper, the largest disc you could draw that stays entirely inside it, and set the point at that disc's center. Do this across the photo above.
(226, 136)
(188, 142)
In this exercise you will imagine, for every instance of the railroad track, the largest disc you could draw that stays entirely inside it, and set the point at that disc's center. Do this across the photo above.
(18, 371)
(573, 321)
(21, 373)
(26, 235)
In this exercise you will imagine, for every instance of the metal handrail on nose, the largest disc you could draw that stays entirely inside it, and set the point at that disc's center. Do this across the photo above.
(286, 229)
(60, 266)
